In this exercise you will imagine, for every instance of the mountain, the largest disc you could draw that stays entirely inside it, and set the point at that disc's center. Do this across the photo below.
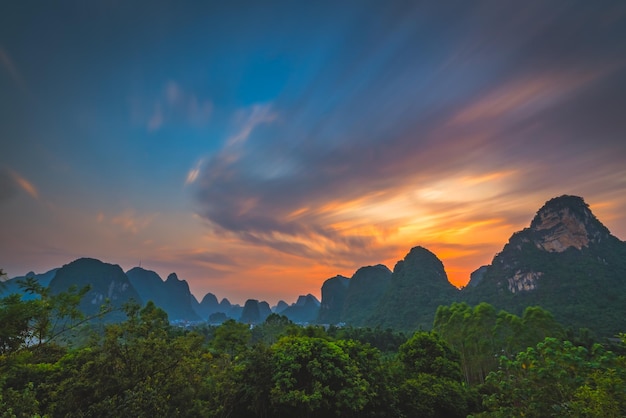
(251, 313)
(148, 284)
(255, 312)
(179, 305)
(173, 295)
(208, 306)
(264, 310)
(334, 292)
(305, 309)
(231, 311)
(418, 285)
(280, 306)
(13, 285)
(107, 281)
(567, 262)
(365, 290)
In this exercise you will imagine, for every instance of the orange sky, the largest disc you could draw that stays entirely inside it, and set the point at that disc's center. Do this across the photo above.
(258, 151)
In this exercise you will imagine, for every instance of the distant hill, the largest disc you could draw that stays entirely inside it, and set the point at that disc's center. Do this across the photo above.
(255, 312)
(334, 292)
(173, 295)
(419, 284)
(567, 262)
(365, 290)
(13, 285)
(280, 306)
(209, 305)
(107, 281)
(305, 310)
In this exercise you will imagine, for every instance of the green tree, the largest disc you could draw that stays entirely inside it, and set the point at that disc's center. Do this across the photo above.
(231, 337)
(273, 328)
(481, 335)
(34, 335)
(431, 384)
(315, 377)
(556, 379)
(141, 367)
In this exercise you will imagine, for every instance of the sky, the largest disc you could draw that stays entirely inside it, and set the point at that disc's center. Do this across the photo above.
(258, 148)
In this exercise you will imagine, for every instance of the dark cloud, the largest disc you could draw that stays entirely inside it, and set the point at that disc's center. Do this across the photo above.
(528, 86)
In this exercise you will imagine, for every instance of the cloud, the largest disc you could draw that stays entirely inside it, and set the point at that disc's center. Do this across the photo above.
(396, 146)
(11, 182)
(130, 221)
(192, 175)
(174, 106)
(249, 119)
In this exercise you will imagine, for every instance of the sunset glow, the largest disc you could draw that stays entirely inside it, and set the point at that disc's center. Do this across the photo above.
(257, 151)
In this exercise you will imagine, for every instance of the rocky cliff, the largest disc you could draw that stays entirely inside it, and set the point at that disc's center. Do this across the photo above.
(566, 261)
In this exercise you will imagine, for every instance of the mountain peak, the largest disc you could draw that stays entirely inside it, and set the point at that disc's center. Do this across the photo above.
(567, 262)
(564, 222)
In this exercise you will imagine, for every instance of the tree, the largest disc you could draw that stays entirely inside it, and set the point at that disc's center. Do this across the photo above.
(556, 379)
(231, 337)
(141, 367)
(315, 377)
(481, 335)
(431, 383)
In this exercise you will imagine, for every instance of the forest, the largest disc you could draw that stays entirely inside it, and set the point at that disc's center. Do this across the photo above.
(476, 361)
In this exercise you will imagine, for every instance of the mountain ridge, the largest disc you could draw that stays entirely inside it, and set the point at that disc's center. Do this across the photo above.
(566, 261)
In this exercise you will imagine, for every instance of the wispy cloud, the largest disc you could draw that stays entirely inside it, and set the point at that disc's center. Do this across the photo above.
(392, 161)
(11, 182)
(249, 119)
(174, 105)
(129, 220)
(192, 175)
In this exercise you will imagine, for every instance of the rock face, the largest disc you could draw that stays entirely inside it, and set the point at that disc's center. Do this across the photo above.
(419, 284)
(566, 222)
(107, 281)
(334, 292)
(365, 290)
(566, 262)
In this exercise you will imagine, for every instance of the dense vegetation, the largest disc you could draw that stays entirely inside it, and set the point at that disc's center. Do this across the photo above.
(479, 362)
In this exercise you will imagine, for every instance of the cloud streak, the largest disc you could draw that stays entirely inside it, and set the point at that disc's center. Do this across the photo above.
(11, 182)
(368, 175)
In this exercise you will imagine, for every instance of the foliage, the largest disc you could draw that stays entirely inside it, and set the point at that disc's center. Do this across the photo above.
(556, 379)
(386, 340)
(432, 385)
(313, 376)
(481, 335)
(144, 367)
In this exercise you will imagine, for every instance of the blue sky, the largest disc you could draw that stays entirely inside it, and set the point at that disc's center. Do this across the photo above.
(258, 148)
